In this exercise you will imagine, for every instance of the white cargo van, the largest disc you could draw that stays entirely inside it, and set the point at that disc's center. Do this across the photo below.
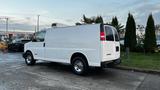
(81, 46)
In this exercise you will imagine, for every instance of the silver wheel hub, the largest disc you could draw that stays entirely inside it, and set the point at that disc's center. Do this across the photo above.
(28, 59)
(78, 66)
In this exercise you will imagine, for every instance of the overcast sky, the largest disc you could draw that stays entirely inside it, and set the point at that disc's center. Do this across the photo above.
(23, 13)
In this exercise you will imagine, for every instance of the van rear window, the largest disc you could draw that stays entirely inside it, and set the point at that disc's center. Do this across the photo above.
(116, 34)
(109, 34)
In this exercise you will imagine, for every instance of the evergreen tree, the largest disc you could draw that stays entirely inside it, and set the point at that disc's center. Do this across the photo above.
(98, 19)
(92, 20)
(87, 20)
(117, 25)
(150, 37)
(114, 22)
(130, 35)
(127, 33)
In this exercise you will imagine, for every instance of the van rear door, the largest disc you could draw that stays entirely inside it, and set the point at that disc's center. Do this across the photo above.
(110, 46)
(117, 43)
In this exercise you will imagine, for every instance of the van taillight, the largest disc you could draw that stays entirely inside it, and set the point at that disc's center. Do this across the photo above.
(102, 36)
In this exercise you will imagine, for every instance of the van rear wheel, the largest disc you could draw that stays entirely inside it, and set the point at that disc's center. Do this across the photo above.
(29, 59)
(79, 66)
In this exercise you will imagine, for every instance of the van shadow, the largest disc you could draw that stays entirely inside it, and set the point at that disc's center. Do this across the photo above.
(54, 67)
(67, 69)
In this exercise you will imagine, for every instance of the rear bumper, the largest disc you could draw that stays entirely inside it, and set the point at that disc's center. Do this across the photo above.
(115, 62)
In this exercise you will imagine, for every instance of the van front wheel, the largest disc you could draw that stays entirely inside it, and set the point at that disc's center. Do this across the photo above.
(29, 59)
(79, 66)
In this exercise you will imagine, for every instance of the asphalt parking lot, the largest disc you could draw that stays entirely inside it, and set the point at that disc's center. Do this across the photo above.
(16, 75)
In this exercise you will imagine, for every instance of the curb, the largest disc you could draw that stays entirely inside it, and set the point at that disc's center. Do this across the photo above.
(138, 70)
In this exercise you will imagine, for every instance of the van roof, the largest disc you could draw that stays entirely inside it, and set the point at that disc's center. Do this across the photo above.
(75, 26)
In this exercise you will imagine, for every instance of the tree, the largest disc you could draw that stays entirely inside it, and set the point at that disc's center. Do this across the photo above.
(87, 20)
(98, 19)
(140, 34)
(150, 37)
(130, 35)
(114, 21)
(117, 25)
(157, 27)
(92, 20)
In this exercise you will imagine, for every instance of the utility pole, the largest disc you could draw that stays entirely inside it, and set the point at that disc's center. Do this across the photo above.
(7, 19)
(38, 22)
(6, 32)
(7, 25)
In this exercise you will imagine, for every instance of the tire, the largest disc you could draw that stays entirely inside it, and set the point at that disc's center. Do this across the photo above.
(29, 59)
(79, 66)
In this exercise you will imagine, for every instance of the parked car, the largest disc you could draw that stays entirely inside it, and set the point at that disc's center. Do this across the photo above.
(3, 45)
(81, 46)
(17, 45)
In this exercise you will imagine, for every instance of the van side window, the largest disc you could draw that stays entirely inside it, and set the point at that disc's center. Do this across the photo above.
(39, 36)
(109, 34)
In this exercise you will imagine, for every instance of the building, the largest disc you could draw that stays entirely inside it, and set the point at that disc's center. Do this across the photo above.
(9, 36)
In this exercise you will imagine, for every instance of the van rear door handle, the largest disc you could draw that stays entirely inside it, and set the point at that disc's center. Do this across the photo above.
(108, 54)
(44, 44)
(117, 49)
